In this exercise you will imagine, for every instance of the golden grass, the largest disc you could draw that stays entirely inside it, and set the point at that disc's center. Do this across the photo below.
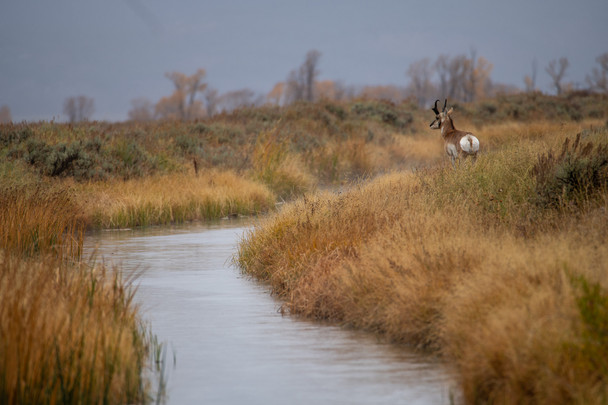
(172, 198)
(460, 262)
(69, 334)
(424, 149)
(37, 219)
(281, 170)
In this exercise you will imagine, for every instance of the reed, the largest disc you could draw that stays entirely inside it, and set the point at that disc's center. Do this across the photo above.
(70, 334)
(172, 199)
(39, 219)
(465, 263)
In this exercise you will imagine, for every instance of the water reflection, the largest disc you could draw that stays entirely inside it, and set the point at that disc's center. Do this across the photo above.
(231, 345)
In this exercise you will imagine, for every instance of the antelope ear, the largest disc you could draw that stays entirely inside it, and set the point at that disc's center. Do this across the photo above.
(450, 110)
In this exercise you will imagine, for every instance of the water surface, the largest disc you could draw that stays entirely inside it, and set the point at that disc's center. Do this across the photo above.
(233, 347)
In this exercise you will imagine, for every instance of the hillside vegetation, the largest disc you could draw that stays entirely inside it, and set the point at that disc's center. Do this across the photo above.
(500, 267)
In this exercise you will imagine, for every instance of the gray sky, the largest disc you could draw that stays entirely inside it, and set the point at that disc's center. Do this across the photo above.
(117, 50)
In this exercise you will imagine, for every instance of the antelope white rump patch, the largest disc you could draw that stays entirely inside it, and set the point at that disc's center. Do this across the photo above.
(469, 143)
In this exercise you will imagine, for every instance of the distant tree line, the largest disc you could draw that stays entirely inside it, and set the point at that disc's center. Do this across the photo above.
(461, 77)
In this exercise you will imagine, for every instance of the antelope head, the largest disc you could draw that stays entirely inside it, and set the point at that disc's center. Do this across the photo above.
(440, 117)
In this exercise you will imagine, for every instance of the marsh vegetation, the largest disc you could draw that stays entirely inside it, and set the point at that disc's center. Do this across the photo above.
(499, 267)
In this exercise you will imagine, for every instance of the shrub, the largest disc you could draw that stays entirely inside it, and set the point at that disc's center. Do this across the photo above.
(131, 160)
(574, 175)
(383, 111)
(189, 144)
(79, 159)
(336, 110)
(14, 134)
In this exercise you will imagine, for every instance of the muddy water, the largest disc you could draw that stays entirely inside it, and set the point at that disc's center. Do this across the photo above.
(232, 346)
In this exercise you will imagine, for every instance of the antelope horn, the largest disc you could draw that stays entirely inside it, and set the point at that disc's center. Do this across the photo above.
(435, 108)
(445, 104)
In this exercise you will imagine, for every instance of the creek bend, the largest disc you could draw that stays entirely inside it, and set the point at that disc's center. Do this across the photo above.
(231, 344)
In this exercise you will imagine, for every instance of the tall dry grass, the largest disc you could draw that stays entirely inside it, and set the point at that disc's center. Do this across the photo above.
(173, 198)
(69, 332)
(281, 170)
(419, 150)
(468, 263)
(39, 219)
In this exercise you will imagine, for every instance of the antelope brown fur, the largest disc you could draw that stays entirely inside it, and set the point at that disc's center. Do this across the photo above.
(457, 143)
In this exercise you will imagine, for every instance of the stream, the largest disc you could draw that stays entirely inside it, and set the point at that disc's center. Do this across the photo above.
(231, 344)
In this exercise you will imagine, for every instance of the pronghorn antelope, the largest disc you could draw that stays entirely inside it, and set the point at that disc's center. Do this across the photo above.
(457, 143)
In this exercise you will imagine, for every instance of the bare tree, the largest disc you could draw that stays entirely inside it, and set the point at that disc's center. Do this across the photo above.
(443, 71)
(420, 73)
(5, 115)
(170, 108)
(301, 82)
(183, 104)
(598, 80)
(454, 74)
(471, 79)
(79, 108)
(530, 81)
(457, 80)
(294, 88)
(480, 82)
(310, 72)
(458, 68)
(142, 110)
(463, 77)
(212, 99)
(557, 70)
(232, 100)
(69, 109)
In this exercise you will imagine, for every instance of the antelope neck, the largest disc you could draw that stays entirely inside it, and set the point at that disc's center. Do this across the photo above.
(447, 125)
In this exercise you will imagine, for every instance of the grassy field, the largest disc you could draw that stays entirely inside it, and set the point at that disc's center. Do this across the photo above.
(499, 267)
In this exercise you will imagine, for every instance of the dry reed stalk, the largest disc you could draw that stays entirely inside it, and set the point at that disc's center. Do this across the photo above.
(38, 219)
(69, 334)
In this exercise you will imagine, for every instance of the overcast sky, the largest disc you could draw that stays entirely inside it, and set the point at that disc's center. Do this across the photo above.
(117, 50)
